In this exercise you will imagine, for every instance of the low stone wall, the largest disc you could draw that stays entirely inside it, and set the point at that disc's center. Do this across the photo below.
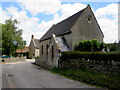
(12, 59)
(40, 62)
(108, 67)
(109, 64)
(47, 64)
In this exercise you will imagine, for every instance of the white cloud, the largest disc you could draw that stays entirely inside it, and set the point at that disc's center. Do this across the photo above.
(42, 6)
(3, 16)
(108, 19)
(31, 25)
(69, 9)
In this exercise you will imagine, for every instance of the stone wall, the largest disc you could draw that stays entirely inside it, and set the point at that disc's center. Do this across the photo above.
(108, 67)
(43, 55)
(12, 59)
(36, 52)
(40, 62)
(108, 63)
(46, 59)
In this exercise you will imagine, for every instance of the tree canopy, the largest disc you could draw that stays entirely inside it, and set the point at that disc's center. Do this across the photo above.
(11, 37)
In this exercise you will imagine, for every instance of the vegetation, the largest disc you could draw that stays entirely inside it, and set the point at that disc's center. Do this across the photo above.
(99, 56)
(38, 57)
(90, 45)
(0, 36)
(114, 47)
(91, 77)
(11, 37)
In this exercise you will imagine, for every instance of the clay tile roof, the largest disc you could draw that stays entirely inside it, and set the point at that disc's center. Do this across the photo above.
(23, 50)
(62, 27)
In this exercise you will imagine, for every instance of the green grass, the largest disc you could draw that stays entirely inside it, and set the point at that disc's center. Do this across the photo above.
(90, 77)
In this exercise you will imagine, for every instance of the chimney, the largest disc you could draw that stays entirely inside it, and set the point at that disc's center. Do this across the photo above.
(32, 36)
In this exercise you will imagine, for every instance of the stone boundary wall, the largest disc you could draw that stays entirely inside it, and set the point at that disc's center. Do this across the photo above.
(40, 62)
(12, 59)
(105, 65)
(108, 67)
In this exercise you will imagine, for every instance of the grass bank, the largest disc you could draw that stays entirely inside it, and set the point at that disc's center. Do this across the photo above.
(91, 77)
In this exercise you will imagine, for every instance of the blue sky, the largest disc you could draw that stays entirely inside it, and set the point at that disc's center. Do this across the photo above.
(37, 18)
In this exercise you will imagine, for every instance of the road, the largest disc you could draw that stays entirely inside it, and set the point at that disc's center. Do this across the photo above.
(27, 75)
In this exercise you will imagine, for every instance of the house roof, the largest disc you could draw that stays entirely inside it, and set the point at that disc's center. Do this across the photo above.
(23, 50)
(36, 43)
(62, 44)
(62, 27)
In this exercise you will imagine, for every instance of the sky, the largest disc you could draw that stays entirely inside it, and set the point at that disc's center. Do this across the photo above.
(37, 16)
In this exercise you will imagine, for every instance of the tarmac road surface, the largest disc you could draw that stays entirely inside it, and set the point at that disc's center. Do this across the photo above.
(27, 75)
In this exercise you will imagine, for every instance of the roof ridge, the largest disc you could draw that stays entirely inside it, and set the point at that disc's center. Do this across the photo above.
(70, 16)
(62, 26)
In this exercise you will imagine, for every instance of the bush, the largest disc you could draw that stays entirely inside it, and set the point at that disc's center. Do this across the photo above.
(99, 56)
(113, 47)
(90, 45)
(38, 57)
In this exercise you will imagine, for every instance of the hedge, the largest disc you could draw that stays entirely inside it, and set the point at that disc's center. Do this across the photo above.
(99, 56)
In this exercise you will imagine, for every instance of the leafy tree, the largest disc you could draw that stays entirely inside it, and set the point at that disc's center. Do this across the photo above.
(0, 36)
(11, 37)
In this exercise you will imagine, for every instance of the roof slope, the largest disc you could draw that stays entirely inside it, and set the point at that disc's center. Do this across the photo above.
(36, 42)
(62, 27)
(23, 50)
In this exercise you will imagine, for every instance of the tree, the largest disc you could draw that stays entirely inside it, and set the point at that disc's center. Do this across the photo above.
(0, 39)
(11, 37)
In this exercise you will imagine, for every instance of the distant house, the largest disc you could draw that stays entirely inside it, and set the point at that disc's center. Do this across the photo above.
(34, 48)
(22, 52)
(64, 35)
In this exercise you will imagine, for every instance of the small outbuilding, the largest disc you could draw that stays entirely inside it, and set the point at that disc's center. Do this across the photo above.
(34, 48)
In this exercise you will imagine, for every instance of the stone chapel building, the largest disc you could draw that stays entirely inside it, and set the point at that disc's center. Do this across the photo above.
(64, 35)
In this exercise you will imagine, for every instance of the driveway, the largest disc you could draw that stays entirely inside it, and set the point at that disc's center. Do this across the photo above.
(27, 75)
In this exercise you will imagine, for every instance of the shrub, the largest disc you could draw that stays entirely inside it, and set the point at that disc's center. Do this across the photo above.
(90, 45)
(100, 56)
(114, 47)
(38, 57)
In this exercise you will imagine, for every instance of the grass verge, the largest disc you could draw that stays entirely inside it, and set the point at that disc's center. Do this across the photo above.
(91, 77)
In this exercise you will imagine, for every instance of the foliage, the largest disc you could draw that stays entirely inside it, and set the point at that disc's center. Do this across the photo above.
(90, 45)
(38, 57)
(11, 37)
(100, 56)
(114, 47)
(0, 36)
(91, 77)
